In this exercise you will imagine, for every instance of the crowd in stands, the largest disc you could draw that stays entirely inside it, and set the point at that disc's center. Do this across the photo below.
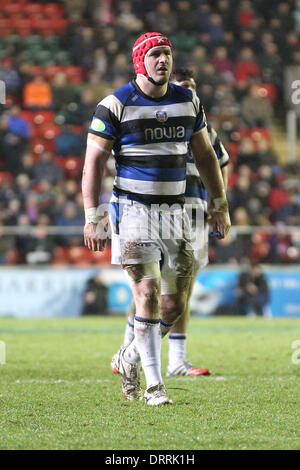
(58, 59)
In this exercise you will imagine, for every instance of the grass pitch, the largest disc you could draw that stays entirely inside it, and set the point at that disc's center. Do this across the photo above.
(57, 390)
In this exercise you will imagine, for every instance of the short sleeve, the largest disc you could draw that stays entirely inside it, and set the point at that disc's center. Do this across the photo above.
(106, 119)
(200, 115)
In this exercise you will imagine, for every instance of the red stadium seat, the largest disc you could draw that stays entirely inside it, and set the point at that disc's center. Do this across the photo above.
(102, 257)
(46, 130)
(6, 27)
(51, 70)
(12, 8)
(40, 144)
(32, 8)
(59, 24)
(41, 117)
(44, 26)
(269, 91)
(61, 255)
(36, 70)
(6, 175)
(260, 132)
(72, 166)
(80, 255)
(53, 9)
(75, 74)
(21, 22)
(23, 32)
(260, 247)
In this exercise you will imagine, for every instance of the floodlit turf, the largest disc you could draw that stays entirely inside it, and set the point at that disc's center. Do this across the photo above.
(57, 390)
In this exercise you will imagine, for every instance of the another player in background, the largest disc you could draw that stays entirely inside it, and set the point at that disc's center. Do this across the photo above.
(149, 123)
(196, 195)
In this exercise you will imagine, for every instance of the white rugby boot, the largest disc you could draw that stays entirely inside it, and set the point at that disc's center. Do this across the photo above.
(130, 377)
(157, 395)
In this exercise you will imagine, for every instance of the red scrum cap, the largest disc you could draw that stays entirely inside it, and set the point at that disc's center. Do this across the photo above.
(142, 46)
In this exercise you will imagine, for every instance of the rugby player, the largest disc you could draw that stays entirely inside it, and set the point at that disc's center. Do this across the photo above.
(195, 195)
(148, 123)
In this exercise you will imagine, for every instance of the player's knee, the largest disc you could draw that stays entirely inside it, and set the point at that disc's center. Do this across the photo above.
(173, 306)
(149, 298)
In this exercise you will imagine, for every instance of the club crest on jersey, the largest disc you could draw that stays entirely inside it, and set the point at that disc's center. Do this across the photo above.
(161, 116)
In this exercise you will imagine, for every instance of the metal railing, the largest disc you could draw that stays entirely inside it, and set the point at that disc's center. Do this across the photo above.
(78, 230)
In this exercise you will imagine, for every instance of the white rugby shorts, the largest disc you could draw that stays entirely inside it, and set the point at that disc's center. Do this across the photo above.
(147, 234)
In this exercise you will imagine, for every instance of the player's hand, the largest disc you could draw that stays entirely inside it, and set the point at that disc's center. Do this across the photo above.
(220, 222)
(94, 236)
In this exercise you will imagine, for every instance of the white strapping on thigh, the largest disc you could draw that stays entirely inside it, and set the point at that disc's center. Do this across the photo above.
(168, 285)
(151, 271)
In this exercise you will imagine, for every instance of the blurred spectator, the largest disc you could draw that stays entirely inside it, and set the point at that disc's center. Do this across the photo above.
(32, 207)
(85, 42)
(245, 13)
(46, 195)
(70, 217)
(252, 292)
(297, 17)
(241, 194)
(68, 142)
(12, 148)
(12, 212)
(203, 18)
(186, 14)
(231, 249)
(282, 249)
(37, 94)
(46, 168)
(17, 124)
(95, 297)
(100, 61)
(162, 18)
(222, 63)
(9, 76)
(62, 92)
(240, 217)
(246, 66)
(256, 110)
(289, 213)
(283, 13)
(265, 153)
(127, 19)
(86, 106)
(27, 165)
(38, 248)
(96, 85)
(216, 28)
(271, 65)
(247, 155)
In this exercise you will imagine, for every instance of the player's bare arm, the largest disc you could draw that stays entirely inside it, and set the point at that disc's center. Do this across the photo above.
(97, 153)
(211, 175)
(224, 171)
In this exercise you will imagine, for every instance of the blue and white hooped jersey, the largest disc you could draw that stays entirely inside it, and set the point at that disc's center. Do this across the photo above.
(151, 138)
(195, 193)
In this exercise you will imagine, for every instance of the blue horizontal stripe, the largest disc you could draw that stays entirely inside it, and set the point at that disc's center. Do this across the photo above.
(177, 336)
(151, 174)
(146, 320)
(196, 191)
(217, 149)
